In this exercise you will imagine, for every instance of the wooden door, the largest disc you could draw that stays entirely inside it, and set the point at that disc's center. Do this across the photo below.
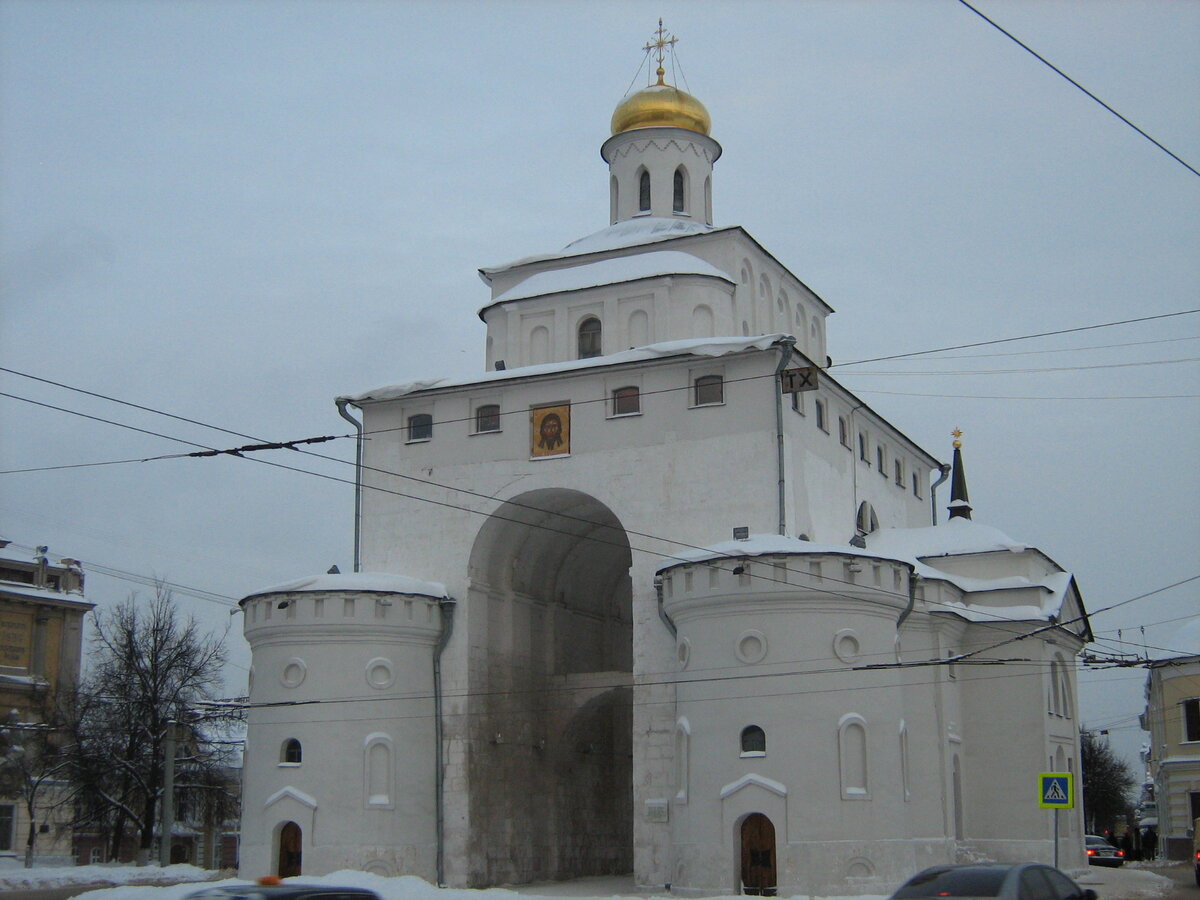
(758, 856)
(289, 850)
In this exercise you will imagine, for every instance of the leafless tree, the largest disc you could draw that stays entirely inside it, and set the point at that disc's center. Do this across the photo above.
(34, 764)
(152, 669)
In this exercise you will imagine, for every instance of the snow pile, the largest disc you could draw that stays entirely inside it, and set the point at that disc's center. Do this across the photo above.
(372, 582)
(951, 538)
(63, 876)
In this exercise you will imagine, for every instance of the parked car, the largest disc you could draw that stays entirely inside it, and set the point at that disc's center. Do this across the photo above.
(1023, 881)
(271, 890)
(1101, 853)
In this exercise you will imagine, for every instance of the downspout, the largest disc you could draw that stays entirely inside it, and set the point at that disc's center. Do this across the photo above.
(342, 403)
(944, 468)
(662, 612)
(447, 606)
(785, 345)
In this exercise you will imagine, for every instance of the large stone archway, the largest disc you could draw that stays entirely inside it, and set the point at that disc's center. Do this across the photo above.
(549, 727)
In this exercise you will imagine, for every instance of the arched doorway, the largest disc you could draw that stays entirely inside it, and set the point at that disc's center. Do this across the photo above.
(759, 876)
(549, 730)
(289, 850)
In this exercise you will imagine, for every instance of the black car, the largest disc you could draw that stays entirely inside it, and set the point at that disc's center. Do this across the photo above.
(282, 892)
(1101, 853)
(1023, 881)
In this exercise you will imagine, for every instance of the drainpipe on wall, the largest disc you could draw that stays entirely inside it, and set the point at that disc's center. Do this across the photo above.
(342, 403)
(785, 356)
(447, 606)
(944, 468)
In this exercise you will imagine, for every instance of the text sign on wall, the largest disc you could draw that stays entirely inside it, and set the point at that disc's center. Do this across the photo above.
(793, 381)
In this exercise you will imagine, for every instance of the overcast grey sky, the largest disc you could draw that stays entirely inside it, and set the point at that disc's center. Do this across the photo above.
(236, 211)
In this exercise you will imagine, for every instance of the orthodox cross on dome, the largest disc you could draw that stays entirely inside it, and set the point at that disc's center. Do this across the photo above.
(663, 40)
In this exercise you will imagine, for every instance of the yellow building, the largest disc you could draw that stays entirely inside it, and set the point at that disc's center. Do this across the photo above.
(41, 641)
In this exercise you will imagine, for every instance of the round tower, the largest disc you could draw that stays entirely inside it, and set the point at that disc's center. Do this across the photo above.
(660, 157)
(341, 726)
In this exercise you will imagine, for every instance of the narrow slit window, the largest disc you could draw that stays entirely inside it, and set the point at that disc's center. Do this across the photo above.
(680, 184)
(820, 407)
(420, 427)
(644, 192)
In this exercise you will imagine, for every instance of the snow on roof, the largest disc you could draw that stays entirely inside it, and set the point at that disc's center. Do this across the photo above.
(951, 538)
(630, 233)
(717, 346)
(376, 582)
(20, 589)
(1055, 585)
(610, 271)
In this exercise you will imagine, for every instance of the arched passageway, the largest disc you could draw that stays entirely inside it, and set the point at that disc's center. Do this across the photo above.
(289, 850)
(758, 871)
(550, 724)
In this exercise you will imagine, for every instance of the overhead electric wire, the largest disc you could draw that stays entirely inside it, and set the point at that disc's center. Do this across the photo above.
(1076, 84)
(1026, 371)
(1061, 350)
(1122, 397)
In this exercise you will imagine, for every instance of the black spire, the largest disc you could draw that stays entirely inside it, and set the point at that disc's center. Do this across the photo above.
(960, 505)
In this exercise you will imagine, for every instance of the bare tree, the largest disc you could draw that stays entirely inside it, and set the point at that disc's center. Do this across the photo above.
(33, 764)
(1107, 782)
(151, 668)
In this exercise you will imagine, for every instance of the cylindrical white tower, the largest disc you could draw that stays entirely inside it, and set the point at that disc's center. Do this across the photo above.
(341, 745)
(660, 156)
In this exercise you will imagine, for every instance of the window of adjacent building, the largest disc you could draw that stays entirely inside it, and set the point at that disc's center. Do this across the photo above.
(821, 422)
(1191, 719)
(292, 752)
(7, 813)
(626, 401)
(420, 427)
(589, 338)
(679, 204)
(844, 432)
(708, 390)
(644, 192)
(862, 448)
(754, 741)
(487, 418)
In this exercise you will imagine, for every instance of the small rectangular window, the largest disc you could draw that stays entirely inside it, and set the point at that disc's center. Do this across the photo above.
(820, 406)
(862, 448)
(898, 465)
(7, 812)
(626, 401)
(487, 418)
(844, 432)
(1191, 719)
(879, 460)
(798, 402)
(916, 481)
(420, 427)
(709, 390)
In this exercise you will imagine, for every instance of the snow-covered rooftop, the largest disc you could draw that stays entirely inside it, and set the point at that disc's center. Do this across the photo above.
(371, 582)
(939, 540)
(718, 346)
(19, 589)
(610, 271)
(630, 233)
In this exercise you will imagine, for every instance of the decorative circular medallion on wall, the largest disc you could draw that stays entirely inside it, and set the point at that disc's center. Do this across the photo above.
(751, 646)
(380, 674)
(293, 673)
(845, 645)
(683, 651)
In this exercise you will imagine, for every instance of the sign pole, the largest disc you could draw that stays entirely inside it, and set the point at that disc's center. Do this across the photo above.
(1056, 837)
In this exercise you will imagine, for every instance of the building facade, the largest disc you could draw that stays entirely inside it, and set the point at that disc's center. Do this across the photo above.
(1172, 717)
(41, 640)
(631, 607)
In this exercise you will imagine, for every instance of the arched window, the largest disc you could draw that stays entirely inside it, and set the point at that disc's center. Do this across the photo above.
(904, 762)
(487, 418)
(683, 740)
(708, 200)
(420, 427)
(844, 432)
(644, 192)
(291, 752)
(377, 766)
(589, 338)
(709, 390)
(626, 401)
(613, 198)
(866, 521)
(754, 740)
(679, 186)
(852, 756)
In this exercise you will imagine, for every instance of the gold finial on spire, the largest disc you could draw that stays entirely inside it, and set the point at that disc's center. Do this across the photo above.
(659, 45)
(956, 434)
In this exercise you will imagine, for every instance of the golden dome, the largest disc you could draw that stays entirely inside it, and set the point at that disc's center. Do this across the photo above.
(661, 106)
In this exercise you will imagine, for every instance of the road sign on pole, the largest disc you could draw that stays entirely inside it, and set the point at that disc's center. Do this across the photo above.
(1056, 790)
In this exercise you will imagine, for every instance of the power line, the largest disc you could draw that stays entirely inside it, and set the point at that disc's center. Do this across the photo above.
(1076, 84)
(1027, 371)
(1026, 397)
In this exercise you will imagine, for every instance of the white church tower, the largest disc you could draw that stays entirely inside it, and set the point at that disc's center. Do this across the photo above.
(655, 593)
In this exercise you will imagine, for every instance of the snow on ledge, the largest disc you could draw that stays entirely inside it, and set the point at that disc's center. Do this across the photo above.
(714, 346)
(370, 582)
(610, 271)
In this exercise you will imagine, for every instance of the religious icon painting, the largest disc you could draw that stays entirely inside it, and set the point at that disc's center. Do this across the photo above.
(550, 431)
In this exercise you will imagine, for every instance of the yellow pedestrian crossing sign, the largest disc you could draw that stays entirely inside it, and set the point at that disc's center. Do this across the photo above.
(1056, 790)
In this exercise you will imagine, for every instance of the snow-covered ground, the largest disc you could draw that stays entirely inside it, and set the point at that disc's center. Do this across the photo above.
(1128, 883)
